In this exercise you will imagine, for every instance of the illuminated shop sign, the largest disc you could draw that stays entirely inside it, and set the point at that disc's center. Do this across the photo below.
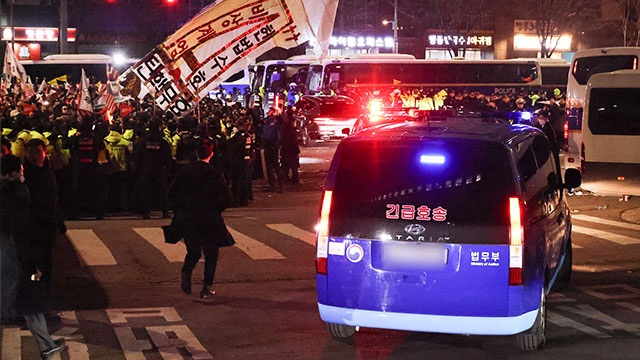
(29, 51)
(36, 34)
(531, 42)
(359, 42)
(438, 40)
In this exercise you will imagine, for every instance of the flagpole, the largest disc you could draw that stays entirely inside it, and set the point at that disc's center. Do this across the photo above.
(198, 111)
(13, 30)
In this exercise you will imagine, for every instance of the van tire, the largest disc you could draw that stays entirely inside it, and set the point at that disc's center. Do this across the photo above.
(534, 338)
(341, 332)
(564, 275)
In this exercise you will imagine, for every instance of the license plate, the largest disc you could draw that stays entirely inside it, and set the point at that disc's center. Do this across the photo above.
(414, 254)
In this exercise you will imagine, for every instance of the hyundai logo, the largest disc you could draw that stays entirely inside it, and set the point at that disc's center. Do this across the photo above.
(414, 229)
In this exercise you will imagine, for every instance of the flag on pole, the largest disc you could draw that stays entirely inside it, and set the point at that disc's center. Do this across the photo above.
(54, 81)
(112, 73)
(85, 106)
(221, 40)
(42, 87)
(12, 66)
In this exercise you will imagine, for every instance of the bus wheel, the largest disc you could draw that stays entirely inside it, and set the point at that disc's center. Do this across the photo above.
(564, 275)
(534, 338)
(341, 332)
(306, 138)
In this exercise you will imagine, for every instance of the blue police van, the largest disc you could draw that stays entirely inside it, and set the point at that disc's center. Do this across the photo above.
(455, 227)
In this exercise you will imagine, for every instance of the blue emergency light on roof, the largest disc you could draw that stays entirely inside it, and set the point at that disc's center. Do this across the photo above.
(432, 159)
(525, 115)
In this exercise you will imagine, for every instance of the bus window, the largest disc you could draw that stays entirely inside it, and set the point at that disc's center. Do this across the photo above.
(258, 75)
(614, 111)
(555, 75)
(584, 67)
(314, 78)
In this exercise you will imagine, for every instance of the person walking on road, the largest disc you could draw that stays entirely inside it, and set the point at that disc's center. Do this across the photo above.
(199, 194)
(271, 142)
(290, 151)
(36, 247)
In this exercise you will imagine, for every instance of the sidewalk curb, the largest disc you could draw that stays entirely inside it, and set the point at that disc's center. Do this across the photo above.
(631, 215)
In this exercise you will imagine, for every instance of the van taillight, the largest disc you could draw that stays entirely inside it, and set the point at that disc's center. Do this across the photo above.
(322, 242)
(516, 235)
(565, 147)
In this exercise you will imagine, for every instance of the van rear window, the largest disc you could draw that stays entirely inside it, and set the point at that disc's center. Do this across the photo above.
(443, 185)
(583, 68)
(614, 111)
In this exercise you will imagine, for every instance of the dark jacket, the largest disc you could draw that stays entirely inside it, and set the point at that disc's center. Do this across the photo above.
(35, 249)
(198, 195)
(152, 155)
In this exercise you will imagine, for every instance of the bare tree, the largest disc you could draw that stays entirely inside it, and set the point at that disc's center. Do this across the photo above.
(627, 20)
(554, 18)
(457, 19)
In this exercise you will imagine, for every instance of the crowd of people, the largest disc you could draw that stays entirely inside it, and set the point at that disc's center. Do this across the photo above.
(58, 165)
(127, 163)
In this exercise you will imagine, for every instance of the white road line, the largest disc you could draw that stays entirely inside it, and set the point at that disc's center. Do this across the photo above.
(90, 248)
(11, 343)
(598, 220)
(295, 232)
(155, 237)
(254, 248)
(605, 235)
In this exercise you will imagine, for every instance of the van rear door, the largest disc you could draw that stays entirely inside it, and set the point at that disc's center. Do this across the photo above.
(421, 226)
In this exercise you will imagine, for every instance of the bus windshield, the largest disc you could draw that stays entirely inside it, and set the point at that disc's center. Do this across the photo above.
(280, 76)
(584, 67)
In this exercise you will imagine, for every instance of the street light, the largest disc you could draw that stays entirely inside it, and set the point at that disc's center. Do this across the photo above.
(394, 23)
(395, 33)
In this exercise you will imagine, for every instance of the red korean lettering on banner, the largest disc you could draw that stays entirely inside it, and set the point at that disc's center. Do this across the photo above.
(180, 47)
(408, 212)
(423, 213)
(206, 33)
(257, 11)
(439, 214)
(393, 211)
(235, 19)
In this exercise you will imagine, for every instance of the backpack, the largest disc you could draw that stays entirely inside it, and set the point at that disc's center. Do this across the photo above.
(270, 133)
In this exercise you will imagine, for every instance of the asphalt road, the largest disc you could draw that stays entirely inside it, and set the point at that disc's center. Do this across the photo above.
(118, 294)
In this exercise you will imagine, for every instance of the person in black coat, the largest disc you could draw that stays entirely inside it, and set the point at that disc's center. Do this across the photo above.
(15, 214)
(152, 158)
(35, 249)
(199, 194)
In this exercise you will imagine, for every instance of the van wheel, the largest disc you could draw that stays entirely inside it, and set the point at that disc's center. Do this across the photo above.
(534, 338)
(341, 332)
(306, 138)
(564, 275)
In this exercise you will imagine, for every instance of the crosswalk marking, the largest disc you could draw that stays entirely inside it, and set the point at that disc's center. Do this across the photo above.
(295, 232)
(254, 248)
(606, 222)
(11, 343)
(155, 237)
(90, 248)
(606, 235)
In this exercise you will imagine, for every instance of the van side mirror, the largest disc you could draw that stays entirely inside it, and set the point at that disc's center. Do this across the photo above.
(572, 178)
(345, 131)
